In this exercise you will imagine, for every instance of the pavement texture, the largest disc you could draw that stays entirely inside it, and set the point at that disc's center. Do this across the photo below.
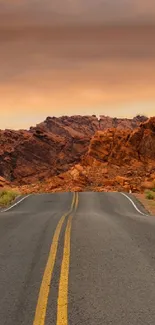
(77, 259)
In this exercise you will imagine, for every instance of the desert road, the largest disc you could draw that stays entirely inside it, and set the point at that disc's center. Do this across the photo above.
(77, 259)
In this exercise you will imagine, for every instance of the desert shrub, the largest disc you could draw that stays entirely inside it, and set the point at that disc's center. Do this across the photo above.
(6, 197)
(149, 195)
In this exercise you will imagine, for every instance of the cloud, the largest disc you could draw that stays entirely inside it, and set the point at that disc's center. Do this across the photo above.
(76, 11)
(46, 49)
(50, 69)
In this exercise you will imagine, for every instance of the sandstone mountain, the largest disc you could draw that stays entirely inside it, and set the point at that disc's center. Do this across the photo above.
(52, 147)
(121, 159)
(116, 160)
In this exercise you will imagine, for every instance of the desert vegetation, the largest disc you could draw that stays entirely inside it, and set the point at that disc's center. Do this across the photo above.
(6, 197)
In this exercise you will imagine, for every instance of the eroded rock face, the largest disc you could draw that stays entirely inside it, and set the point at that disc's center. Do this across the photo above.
(4, 183)
(55, 145)
(128, 156)
(122, 146)
(117, 160)
(120, 123)
(26, 157)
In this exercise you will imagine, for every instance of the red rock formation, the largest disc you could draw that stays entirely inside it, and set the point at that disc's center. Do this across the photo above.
(121, 146)
(25, 156)
(4, 183)
(53, 146)
(121, 123)
(127, 156)
(117, 160)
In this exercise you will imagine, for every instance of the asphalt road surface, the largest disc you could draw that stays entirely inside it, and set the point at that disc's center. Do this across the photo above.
(77, 259)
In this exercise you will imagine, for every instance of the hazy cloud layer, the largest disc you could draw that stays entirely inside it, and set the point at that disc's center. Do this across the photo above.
(47, 49)
(99, 11)
(50, 69)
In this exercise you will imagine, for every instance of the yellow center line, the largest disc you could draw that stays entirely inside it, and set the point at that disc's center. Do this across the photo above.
(62, 303)
(76, 201)
(40, 313)
(73, 202)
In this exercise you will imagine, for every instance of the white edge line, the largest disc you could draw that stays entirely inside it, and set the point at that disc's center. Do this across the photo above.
(25, 197)
(135, 206)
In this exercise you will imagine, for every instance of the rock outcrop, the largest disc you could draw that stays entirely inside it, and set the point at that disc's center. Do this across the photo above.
(57, 144)
(123, 146)
(117, 160)
(4, 183)
(120, 123)
(122, 159)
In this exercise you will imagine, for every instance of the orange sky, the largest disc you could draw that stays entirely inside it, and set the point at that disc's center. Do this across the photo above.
(48, 70)
(110, 88)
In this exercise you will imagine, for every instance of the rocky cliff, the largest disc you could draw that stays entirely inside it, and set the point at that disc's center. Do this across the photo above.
(116, 160)
(55, 145)
(122, 159)
(120, 147)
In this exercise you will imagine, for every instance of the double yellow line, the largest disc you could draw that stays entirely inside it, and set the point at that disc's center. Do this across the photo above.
(62, 302)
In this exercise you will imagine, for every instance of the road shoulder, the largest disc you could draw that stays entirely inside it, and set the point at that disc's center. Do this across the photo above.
(148, 205)
(15, 202)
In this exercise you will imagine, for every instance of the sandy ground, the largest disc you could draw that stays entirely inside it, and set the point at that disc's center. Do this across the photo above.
(148, 204)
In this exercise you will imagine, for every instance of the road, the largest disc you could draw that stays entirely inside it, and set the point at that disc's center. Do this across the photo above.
(77, 259)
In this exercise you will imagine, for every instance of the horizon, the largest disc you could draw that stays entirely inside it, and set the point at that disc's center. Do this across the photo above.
(75, 115)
